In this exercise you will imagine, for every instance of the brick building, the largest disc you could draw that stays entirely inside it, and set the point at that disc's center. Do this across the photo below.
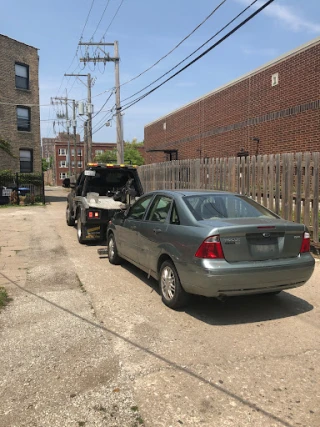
(19, 106)
(273, 109)
(58, 149)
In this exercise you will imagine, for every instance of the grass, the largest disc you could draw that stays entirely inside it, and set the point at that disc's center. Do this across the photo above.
(4, 299)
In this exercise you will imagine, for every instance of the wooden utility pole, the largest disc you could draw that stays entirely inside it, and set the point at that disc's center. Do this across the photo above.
(74, 124)
(115, 59)
(88, 140)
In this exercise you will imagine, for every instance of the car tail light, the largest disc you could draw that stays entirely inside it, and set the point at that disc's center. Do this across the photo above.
(94, 215)
(210, 248)
(305, 245)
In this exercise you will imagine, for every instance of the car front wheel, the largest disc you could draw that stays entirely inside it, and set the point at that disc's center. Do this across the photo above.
(172, 293)
(114, 257)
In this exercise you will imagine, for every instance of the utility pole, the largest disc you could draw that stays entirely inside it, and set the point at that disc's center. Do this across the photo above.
(74, 124)
(68, 132)
(115, 59)
(88, 141)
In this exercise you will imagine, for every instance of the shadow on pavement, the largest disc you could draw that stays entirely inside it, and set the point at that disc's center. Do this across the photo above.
(238, 309)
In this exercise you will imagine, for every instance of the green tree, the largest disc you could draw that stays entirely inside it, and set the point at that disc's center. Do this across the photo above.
(46, 164)
(131, 154)
(6, 147)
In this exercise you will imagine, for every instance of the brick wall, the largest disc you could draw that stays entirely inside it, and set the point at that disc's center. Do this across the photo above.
(13, 51)
(61, 169)
(284, 117)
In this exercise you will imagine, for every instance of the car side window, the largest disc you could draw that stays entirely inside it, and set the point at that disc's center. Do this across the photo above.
(138, 210)
(159, 209)
(174, 218)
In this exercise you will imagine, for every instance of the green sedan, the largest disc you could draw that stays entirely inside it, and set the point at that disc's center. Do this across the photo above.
(210, 243)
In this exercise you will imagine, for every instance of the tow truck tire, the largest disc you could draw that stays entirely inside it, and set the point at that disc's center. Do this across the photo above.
(114, 257)
(80, 229)
(70, 220)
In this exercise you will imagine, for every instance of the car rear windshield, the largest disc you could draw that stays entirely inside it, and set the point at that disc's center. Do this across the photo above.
(213, 206)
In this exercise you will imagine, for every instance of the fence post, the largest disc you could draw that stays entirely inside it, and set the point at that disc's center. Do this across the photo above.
(43, 192)
(17, 185)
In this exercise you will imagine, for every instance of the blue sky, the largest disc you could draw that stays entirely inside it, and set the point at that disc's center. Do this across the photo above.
(146, 31)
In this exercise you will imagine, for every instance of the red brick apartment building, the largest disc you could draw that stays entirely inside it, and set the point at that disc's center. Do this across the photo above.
(19, 106)
(273, 109)
(57, 148)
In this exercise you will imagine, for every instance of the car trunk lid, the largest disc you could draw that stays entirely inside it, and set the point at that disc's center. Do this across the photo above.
(258, 239)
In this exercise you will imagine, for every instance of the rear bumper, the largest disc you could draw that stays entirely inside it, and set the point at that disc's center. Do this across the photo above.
(219, 278)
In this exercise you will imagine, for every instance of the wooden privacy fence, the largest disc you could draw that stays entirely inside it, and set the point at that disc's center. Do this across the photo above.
(288, 184)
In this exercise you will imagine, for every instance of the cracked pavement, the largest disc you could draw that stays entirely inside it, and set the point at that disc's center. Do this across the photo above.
(87, 342)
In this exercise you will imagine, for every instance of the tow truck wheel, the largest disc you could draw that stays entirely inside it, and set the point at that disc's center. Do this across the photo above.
(114, 258)
(80, 230)
(69, 219)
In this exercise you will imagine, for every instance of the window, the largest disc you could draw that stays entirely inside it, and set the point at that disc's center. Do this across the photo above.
(79, 164)
(214, 206)
(275, 79)
(63, 163)
(22, 76)
(26, 161)
(139, 208)
(62, 152)
(159, 209)
(63, 175)
(23, 119)
(79, 152)
(99, 152)
(174, 219)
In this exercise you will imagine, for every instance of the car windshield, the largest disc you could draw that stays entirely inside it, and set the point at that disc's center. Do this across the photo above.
(213, 206)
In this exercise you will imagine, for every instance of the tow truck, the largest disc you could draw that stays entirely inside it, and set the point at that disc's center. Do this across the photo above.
(100, 191)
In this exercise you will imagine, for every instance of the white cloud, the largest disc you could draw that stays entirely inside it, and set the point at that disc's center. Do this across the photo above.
(261, 52)
(287, 16)
(185, 84)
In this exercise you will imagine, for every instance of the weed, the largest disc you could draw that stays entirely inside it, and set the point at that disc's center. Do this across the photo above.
(134, 408)
(3, 297)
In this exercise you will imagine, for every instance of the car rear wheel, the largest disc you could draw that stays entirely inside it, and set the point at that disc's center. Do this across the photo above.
(114, 257)
(80, 230)
(70, 220)
(172, 293)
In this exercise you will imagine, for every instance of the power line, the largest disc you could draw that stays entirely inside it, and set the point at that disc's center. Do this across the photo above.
(102, 15)
(179, 44)
(203, 53)
(77, 49)
(112, 20)
(177, 65)
(104, 104)
(97, 130)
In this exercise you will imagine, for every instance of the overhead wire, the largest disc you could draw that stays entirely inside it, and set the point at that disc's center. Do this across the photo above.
(102, 15)
(114, 16)
(260, 9)
(192, 53)
(77, 49)
(179, 44)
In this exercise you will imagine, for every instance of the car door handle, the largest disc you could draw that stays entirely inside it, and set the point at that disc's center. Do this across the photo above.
(157, 230)
(133, 227)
